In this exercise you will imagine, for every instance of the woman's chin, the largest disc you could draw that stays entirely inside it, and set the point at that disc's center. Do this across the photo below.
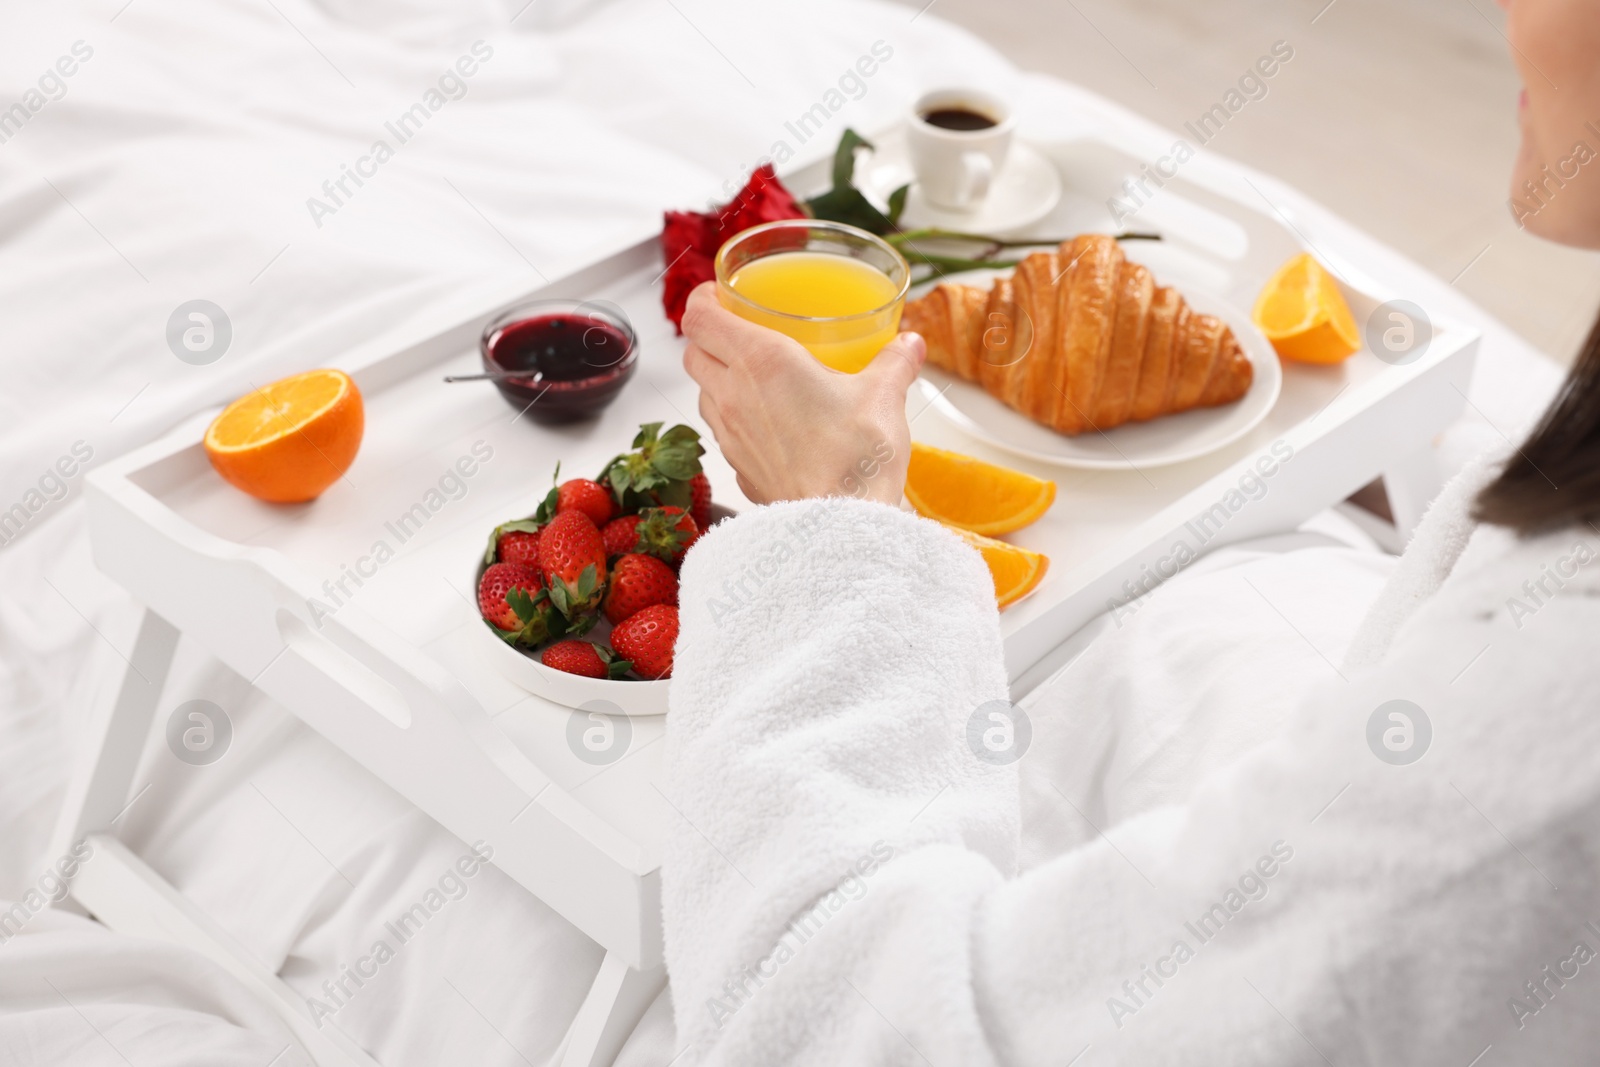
(1566, 221)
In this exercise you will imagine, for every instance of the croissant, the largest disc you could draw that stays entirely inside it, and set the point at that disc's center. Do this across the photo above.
(1080, 339)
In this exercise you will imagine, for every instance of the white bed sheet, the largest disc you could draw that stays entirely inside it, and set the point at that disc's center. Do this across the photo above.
(176, 166)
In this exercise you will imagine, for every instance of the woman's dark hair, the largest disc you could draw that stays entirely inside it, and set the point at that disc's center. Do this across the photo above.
(1554, 480)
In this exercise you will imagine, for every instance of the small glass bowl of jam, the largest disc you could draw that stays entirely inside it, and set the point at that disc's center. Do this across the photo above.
(562, 360)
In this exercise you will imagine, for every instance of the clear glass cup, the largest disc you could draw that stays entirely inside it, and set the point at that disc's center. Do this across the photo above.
(836, 289)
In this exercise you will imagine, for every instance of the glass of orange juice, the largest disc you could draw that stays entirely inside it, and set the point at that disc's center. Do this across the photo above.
(836, 289)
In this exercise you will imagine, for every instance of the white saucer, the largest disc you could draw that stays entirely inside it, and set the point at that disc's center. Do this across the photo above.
(1131, 446)
(1023, 192)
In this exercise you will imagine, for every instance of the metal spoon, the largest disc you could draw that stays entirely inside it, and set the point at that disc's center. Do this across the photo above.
(498, 376)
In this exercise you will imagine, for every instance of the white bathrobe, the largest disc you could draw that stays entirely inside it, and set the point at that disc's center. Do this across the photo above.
(846, 884)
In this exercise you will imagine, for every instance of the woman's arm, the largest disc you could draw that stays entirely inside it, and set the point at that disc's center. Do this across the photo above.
(833, 653)
(837, 890)
(838, 885)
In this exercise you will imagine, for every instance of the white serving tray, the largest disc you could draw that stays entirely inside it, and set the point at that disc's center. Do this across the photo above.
(397, 676)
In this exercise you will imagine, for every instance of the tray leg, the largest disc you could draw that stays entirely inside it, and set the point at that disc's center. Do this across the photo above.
(1411, 484)
(130, 898)
(614, 1006)
(98, 790)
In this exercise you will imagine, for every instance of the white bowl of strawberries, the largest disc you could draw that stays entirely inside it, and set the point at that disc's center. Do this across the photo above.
(580, 599)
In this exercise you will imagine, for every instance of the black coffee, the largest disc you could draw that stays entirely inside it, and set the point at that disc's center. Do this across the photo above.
(958, 118)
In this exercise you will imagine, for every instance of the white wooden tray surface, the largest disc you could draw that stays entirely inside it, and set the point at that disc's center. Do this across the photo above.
(1104, 527)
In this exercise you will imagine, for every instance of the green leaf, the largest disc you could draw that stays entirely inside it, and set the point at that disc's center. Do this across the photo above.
(522, 604)
(680, 434)
(556, 627)
(586, 583)
(844, 157)
(659, 534)
(657, 461)
(677, 494)
(547, 507)
(648, 478)
(534, 633)
(619, 481)
(676, 463)
(846, 204)
(897, 203)
(618, 667)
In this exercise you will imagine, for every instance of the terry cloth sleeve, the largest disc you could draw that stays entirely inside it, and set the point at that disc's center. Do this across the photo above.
(838, 883)
(831, 655)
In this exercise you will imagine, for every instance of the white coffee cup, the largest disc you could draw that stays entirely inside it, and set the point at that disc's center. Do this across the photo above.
(955, 167)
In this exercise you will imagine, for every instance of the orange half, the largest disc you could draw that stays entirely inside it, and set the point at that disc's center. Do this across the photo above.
(1016, 571)
(973, 495)
(288, 441)
(1304, 315)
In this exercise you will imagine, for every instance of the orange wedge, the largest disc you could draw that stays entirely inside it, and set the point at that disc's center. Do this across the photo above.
(1304, 315)
(1016, 571)
(973, 495)
(288, 441)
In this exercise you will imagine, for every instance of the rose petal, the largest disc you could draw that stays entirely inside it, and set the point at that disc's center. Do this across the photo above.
(690, 239)
(690, 269)
(763, 199)
(687, 229)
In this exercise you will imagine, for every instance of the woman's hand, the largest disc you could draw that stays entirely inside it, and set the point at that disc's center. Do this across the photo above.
(792, 428)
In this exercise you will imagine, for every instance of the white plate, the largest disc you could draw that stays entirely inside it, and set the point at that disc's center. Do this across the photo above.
(609, 696)
(1025, 191)
(1159, 442)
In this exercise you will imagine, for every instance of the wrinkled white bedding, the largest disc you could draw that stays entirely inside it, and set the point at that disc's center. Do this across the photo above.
(175, 163)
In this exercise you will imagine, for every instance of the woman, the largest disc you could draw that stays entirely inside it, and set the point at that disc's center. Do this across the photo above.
(843, 887)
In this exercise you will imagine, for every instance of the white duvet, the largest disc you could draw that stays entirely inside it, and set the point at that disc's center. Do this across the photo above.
(203, 150)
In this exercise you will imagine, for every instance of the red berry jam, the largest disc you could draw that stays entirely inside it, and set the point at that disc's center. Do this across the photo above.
(582, 357)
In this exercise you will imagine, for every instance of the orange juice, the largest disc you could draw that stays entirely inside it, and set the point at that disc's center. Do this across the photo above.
(841, 309)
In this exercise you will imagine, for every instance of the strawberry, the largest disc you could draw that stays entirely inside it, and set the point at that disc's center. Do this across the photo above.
(637, 582)
(520, 546)
(645, 640)
(700, 500)
(666, 533)
(657, 471)
(576, 494)
(621, 535)
(498, 580)
(583, 658)
(573, 558)
(512, 599)
(591, 498)
(514, 542)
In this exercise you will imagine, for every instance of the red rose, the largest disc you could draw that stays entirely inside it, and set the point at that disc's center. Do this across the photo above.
(690, 269)
(763, 199)
(690, 239)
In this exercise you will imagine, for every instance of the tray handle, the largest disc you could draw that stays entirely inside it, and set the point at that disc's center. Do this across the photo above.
(342, 656)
